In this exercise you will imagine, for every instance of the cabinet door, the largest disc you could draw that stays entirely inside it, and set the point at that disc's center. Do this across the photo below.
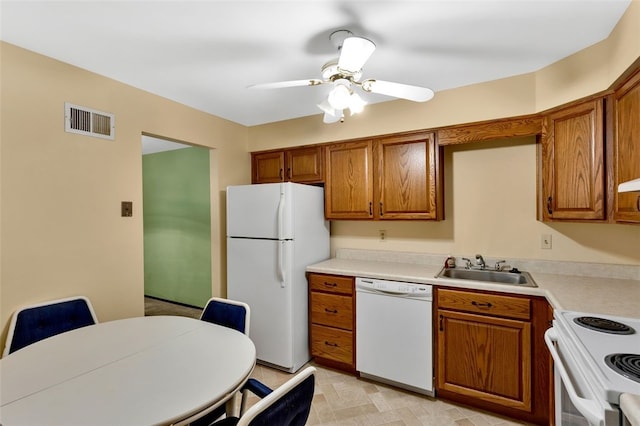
(267, 167)
(627, 149)
(349, 181)
(573, 175)
(407, 178)
(486, 358)
(304, 165)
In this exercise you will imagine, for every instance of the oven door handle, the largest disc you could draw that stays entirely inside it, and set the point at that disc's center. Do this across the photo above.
(589, 409)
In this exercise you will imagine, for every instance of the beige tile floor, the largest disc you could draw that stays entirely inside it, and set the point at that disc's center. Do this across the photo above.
(345, 400)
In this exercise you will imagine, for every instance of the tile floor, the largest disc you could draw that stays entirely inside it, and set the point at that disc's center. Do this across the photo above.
(343, 399)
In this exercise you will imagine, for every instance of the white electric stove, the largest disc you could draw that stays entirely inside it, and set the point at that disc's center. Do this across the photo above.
(597, 358)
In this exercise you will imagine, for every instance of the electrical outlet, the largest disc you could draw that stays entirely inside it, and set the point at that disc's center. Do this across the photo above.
(545, 241)
(383, 235)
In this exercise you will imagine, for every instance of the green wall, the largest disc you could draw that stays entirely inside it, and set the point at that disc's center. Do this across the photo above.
(177, 225)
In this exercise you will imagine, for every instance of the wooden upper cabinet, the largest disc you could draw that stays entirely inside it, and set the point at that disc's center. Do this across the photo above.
(302, 165)
(407, 178)
(267, 167)
(626, 149)
(573, 163)
(349, 180)
(395, 177)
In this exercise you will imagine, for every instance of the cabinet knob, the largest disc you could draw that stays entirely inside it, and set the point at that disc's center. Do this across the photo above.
(281, 175)
(370, 208)
(638, 203)
(335, 345)
(289, 173)
(381, 213)
(328, 284)
(549, 206)
(331, 311)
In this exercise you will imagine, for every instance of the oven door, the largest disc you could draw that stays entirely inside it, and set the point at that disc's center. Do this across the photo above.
(575, 402)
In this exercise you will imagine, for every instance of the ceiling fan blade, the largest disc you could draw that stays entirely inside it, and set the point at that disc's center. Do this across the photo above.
(398, 90)
(291, 83)
(354, 53)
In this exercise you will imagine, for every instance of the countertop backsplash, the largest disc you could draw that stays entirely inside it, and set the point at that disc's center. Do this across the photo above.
(601, 270)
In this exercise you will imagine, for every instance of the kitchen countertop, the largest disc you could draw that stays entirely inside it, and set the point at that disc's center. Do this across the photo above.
(618, 295)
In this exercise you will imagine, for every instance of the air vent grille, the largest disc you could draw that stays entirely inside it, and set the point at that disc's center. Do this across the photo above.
(87, 121)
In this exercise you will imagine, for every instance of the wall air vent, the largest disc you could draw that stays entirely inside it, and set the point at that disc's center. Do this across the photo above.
(90, 122)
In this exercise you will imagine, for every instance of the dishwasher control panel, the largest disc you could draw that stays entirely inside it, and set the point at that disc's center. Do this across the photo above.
(394, 287)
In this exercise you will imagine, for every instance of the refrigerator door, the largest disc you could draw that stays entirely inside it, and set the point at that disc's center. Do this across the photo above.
(260, 211)
(254, 278)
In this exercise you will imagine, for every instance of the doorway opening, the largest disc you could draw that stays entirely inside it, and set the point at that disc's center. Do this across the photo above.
(176, 222)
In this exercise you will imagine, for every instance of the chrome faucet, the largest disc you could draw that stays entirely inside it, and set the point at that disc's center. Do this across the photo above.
(480, 261)
(498, 266)
(467, 263)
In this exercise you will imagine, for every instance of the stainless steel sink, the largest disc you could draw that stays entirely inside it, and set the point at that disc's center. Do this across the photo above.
(518, 278)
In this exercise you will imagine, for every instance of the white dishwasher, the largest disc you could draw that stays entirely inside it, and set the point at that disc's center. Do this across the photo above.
(394, 333)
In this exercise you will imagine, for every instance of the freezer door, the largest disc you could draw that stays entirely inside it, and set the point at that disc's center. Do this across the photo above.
(260, 211)
(253, 277)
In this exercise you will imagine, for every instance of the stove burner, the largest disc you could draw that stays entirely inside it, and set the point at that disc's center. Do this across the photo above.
(626, 364)
(604, 325)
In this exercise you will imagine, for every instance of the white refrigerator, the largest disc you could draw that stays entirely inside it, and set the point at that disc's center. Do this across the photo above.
(274, 231)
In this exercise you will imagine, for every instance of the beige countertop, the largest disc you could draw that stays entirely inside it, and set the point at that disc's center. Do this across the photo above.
(597, 295)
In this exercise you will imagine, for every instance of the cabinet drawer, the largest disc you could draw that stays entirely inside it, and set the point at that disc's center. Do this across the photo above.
(332, 283)
(492, 304)
(332, 310)
(332, 343)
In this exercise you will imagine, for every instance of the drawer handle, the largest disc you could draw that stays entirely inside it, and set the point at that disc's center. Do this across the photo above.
(481, 305)
(549, 210)
(330, 284)
(331, 311)
(335, 345)
(638, 203)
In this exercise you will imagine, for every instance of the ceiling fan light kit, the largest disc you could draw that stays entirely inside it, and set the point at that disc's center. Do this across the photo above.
(344, 74)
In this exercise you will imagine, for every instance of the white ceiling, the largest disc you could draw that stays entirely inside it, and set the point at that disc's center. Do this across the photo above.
(205, 53)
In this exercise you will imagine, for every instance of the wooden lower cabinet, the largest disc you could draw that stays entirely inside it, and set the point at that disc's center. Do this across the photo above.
(332, 320)
(491, 354)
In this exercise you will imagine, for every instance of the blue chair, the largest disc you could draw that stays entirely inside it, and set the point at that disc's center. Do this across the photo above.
(33, 323)
(228, 313)
(289, 405)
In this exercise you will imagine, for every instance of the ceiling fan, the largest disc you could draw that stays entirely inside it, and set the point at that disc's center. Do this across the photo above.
(344, 74)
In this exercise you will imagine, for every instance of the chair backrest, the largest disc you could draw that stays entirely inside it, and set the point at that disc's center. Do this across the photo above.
(33, 323)
(228, 313)
(289, 405)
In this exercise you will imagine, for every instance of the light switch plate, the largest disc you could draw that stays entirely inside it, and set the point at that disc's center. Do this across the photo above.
(126, 209)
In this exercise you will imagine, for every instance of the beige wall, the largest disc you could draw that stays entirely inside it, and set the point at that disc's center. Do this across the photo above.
(60, 193)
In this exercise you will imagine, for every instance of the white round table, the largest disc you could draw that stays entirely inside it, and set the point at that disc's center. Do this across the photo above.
(136, 371)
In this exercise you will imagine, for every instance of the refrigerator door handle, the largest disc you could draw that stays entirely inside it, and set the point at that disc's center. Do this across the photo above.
(281, 263)
(281, 212)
